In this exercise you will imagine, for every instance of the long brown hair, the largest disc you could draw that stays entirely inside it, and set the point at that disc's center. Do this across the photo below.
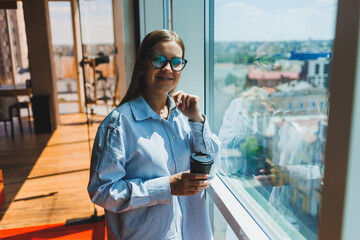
(137, 82)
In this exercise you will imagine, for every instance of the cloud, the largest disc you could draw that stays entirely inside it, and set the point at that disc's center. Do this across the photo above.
(97, 30)
(302, 11)
(233, 20)
(275, 1)
(243, 9)
(59, 9)
(325, 3)
(61, 32)
(271, 20)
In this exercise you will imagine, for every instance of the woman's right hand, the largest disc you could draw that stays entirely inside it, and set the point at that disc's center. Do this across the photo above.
(186, 183)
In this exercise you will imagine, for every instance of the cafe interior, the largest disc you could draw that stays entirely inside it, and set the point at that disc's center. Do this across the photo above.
(66, 64)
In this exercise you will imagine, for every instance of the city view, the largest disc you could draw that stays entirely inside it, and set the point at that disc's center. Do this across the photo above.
(271, 79)
(240, 65)
(274, 99)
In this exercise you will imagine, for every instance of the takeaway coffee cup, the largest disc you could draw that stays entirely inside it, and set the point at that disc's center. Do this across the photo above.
(200, 162)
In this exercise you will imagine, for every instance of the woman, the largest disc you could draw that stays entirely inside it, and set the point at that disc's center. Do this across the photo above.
(140, 160)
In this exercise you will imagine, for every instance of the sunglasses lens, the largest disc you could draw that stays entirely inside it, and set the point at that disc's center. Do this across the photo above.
(158, 61)
(177, 64)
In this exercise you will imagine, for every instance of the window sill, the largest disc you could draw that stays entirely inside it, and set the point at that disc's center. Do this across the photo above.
(235, 214)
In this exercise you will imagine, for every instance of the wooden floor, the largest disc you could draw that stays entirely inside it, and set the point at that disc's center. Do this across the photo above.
(46, 175)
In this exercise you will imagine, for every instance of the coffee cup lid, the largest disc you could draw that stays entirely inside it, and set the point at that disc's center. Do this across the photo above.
(202, 157)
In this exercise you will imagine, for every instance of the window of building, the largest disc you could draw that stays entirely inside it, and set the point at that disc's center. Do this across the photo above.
(317, 68)
(64, 60)
(272, 155)
(326, 68)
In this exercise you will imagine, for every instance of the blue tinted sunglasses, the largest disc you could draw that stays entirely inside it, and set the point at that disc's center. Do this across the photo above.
(159, 61)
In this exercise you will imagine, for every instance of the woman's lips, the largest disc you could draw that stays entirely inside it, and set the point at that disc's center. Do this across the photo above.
(164, 78)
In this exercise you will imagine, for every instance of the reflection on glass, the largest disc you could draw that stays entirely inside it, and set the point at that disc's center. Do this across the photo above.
(272, 66)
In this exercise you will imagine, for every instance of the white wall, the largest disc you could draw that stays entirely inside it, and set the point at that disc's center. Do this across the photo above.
(188, 22)
(151, 16)
(129, 38)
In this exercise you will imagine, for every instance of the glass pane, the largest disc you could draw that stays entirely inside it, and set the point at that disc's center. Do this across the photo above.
(14, 64)
(5, 58)
(271, 77)
(17, 37)
(63, 49)
(97, 32)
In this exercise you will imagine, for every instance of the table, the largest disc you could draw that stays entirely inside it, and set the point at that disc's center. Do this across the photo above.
(14, 92)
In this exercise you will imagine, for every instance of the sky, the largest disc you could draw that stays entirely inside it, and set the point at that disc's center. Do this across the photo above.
(235, 20)
(96, 22)
(274, 20)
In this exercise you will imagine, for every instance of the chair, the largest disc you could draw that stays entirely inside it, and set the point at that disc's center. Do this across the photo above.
(9, 108)
(26, 104)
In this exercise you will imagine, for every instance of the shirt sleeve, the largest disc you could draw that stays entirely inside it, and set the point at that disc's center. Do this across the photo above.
(108, 186)
(204, 139)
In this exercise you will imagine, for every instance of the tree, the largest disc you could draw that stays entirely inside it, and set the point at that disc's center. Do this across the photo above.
(230, 79)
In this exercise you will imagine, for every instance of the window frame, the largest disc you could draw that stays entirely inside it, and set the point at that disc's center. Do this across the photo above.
(338, 204)
(240, 221)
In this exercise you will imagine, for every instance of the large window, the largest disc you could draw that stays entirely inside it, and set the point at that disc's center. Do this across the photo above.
(14, 64)
(97, 34)
(64, 59)
(271, 74)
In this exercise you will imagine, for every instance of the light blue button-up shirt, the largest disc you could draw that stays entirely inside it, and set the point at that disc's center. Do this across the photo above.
(135, 151)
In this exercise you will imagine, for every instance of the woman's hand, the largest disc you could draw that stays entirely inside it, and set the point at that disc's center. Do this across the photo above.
(277, 176)
(186, 183)
(189, 105)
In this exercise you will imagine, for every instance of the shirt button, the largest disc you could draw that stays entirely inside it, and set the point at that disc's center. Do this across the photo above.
(173, 137)
(178, 159)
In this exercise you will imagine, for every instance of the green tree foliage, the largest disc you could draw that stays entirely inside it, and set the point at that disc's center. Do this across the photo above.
(230, 79)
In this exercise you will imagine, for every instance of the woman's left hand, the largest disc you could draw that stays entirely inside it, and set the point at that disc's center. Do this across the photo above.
(189, 105)
(277, 176)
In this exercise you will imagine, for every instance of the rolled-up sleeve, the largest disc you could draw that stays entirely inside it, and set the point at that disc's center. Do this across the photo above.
(108, 187)
(204, 139)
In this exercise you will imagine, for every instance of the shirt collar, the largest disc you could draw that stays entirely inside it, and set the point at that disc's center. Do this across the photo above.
(172, 103)
(141, 109)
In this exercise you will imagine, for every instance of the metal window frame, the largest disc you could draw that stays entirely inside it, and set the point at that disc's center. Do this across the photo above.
(209, 29)
(240, 221)
(340, 144)
(167, 14)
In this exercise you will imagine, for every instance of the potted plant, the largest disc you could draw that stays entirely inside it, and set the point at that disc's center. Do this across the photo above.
(255, 156)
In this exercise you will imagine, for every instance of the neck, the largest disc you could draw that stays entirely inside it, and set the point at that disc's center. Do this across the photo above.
(156, 102)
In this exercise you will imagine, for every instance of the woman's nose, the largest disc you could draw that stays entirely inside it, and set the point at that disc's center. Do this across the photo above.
(167, 66)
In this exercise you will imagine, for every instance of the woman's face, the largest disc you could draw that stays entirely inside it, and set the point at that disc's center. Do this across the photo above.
(162, 81)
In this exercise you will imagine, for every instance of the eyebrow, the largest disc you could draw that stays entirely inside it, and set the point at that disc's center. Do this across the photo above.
(160, 54)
